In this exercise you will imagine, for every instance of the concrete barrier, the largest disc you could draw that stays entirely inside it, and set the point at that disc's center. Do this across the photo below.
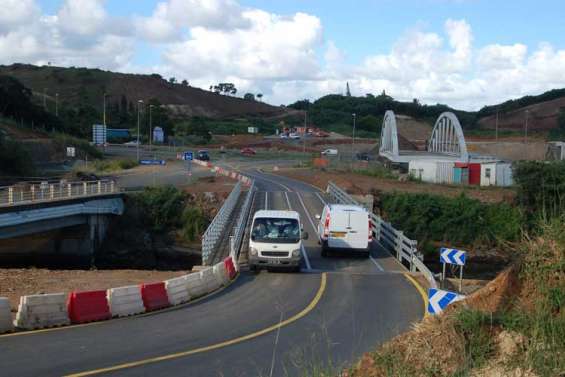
(88, 306)
(125, 301)
(39, 311)
(221, 274)
(195, 285)
(210, 280)
(177, 290)
(6, 324)
(154, 296)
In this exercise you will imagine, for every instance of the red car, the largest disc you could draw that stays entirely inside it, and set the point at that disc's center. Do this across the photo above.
(248, 151)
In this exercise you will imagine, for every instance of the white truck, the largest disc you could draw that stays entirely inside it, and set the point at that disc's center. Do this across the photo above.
(345, 228)
(329, 152)
(276, 240)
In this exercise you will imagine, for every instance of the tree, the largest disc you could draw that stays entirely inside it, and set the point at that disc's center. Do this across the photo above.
(225, 87)
(347, 91)
(184, 83)
(172, 80)
(260, 96)
(369, 123)
(249, 97)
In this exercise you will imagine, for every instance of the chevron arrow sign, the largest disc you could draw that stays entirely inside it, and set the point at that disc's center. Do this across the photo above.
(438, 300)
(452, 256)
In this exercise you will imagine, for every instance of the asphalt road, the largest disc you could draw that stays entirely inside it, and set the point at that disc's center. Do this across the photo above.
(331, 313)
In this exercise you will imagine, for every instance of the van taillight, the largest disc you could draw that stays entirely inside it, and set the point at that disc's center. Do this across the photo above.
(327, 225)
(370, 231)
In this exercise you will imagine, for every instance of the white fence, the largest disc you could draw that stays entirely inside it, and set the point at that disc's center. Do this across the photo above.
(26, 193)
(391, 239)
(217, 228)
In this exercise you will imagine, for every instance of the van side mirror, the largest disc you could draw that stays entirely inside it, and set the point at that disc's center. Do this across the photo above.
(305, 235)
(318, 217)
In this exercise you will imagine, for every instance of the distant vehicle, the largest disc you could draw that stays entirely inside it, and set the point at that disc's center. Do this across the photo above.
(364, 156)
(248, 151)
(203, 155)
(284, 136)
(87, 177)
(294, 136)
(276, 240)
(132, 143)
(344, 228)
(329, 152)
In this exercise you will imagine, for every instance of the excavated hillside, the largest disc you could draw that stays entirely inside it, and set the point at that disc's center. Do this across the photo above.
(75, 85)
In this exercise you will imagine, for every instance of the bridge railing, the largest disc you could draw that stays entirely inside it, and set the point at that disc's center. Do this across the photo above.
(239, 229)
(391, 239)
(217, 228)
(26, 193)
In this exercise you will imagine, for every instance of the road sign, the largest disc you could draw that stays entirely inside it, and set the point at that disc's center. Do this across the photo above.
(438, 300)
(152, 162)
(188, 156)
(71, 152)
(452, 256)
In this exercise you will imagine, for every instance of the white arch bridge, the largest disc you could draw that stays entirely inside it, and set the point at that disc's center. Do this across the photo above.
(447, 141)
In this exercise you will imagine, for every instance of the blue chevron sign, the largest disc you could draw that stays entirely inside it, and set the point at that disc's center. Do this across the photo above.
(452, 256)
(439, 300)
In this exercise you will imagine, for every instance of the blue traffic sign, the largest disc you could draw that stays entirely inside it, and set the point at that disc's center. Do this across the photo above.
(452, 256)
(188, 156)
(438, 300)
(152, 162)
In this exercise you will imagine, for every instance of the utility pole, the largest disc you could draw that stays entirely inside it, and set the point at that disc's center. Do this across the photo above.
(304, 133)
(104, 110)
(496, 126)
(56, 104)
(150, 129)
(45, 99)
(353, 142)
(526, 130)
(139, 103)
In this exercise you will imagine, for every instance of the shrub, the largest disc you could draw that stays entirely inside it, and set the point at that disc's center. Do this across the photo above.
(161, 207)
(194, 223)
(14, 158)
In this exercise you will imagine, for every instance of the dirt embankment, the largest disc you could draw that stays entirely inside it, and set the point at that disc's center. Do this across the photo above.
(360, 184)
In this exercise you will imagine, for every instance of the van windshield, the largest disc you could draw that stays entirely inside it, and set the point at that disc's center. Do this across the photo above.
(267, 229)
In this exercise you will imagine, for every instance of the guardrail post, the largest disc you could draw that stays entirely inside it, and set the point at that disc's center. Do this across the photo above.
(112, 186)
(52, 191)
(69, 190)
(10, 195)
(398, 244)
(32, 193)
(99, 184)
(84, 185)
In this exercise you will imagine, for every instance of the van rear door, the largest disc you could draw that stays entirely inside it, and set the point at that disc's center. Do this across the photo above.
(349, 229)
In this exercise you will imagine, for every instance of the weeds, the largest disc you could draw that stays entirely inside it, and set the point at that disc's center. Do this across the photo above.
(476, 328)
(376, 171)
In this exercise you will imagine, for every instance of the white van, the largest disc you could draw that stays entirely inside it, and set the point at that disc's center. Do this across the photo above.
(345, 227)
(329, 152)
(276, 240)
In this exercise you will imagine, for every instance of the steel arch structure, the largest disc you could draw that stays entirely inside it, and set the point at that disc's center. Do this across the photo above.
(389, 136)
(447, 137)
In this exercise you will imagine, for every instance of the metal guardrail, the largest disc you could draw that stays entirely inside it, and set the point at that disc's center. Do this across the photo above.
(26, 193)
(217, 227)
(391, 239)
(239, 229)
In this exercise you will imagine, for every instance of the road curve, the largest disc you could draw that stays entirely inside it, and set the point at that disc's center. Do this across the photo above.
(334, 311)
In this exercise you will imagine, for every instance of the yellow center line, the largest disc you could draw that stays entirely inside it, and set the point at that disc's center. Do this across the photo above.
(420, 290)
(212, 347)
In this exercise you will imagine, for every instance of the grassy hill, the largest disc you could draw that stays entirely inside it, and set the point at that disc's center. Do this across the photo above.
(79, 86)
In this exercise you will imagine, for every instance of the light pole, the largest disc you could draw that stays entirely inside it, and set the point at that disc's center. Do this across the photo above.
(150, 128)
(104, 110)
(353, 142)
(526, 130)
(139, 103)
(57, 104)
(496, 126)
(45, 99)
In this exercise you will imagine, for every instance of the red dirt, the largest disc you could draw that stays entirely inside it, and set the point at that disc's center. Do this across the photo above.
(361, 184)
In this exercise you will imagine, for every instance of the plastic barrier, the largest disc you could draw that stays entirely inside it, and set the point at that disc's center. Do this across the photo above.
(177, 290)
(154, 296)
(221, 274)
(230, 268)
(195, 285)
(88, 306)
(125, 301)
(38, 311)
(210, 280)
(6, 324)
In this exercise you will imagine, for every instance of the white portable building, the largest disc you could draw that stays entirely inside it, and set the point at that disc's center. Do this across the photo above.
(496, 174)
(432, 171)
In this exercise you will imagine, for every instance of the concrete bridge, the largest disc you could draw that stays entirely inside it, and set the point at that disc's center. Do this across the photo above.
(30, 209)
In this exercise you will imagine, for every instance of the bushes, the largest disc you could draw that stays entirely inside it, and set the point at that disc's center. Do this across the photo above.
(14, 158)
(458, 220)
(112, 165)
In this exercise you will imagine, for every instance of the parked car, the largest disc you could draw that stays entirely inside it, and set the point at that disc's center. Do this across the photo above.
(364, 156)
(203, 155)
(87, 177)
(330, 152)
(344, 228)
(283, 136)
(248, 151)
(294, 136)
(132, 143)
(276, 240)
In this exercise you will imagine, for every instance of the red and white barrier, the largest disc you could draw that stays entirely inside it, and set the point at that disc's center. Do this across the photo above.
(125, 301)
(177, 290)
(6, 324)
(39, 311)
(154, 296)
(88, 306)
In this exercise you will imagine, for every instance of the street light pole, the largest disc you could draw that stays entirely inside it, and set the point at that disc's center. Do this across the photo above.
(57, 104)
(353, 142)
(45, 99)
(139, 102)
(104, 110)
(526, 130)
(150, 129)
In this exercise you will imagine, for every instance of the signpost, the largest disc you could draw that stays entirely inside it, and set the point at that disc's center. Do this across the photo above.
(188, 157)
(453, 256)
(71, 152)
(438, 300)
(152, 162)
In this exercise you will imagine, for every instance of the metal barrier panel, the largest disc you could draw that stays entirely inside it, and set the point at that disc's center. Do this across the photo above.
(239, 230)
(393, 240)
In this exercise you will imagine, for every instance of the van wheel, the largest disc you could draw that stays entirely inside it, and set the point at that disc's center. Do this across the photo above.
(324, 249)
(252, 268)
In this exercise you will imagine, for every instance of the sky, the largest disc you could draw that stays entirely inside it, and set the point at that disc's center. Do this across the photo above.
(463, 53)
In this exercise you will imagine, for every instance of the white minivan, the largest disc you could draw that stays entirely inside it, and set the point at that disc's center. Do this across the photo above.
(345, 228)
(329, 152)
(276, 240)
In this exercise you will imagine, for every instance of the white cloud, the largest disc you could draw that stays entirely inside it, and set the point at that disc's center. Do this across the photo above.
(83, 17)
(16, 12)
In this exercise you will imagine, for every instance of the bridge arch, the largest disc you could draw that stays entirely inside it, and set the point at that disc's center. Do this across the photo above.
(389, 135)
(447, 137)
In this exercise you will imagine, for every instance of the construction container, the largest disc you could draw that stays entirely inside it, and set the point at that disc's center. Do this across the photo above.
(461, 174)
(474, 173)
(432, 171)
(488, 174)
(496, 174)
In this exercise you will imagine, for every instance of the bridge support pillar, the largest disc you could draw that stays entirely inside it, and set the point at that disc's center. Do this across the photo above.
(98, 226)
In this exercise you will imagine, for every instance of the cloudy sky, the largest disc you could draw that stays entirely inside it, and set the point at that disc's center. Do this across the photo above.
(465, 53)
